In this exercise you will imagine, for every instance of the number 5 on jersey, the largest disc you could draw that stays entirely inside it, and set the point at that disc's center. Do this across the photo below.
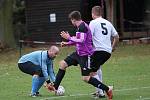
(104, 31)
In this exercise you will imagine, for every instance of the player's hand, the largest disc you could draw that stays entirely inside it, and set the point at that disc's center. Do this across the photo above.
(65, 35)
(63, 44)
(113, 49)
(50, 87)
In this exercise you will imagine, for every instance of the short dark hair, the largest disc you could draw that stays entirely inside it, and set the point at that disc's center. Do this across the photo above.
(75, 15)
(97, 10)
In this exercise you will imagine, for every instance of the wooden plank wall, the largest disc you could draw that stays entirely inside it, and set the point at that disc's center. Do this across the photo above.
(37, 18)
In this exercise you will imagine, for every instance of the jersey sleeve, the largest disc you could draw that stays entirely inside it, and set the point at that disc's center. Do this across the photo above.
(51, 72)
(81, 38)
(113, 31)
(44, 65)
(69, 43)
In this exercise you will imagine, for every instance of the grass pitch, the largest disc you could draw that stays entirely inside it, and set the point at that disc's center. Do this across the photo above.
(128, 70)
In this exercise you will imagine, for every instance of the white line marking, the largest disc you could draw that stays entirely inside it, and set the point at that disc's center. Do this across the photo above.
(143, 99)
(119, 90)
(130, 89)
(73, 95)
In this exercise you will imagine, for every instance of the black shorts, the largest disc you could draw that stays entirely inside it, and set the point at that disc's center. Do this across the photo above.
(99, 58)
(83, 61)
(30, 68)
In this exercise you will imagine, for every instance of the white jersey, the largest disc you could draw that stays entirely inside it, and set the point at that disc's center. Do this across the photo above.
(102, 32)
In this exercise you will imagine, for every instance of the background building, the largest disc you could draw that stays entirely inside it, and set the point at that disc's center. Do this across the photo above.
(46, 18)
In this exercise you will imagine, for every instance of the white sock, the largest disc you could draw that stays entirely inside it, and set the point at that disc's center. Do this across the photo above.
(98, 76)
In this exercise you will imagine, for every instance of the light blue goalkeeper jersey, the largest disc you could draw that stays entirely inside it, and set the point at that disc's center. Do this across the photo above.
(40, 58)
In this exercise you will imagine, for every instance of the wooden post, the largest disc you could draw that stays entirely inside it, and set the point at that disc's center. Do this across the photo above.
(121, 18)
(111, 10)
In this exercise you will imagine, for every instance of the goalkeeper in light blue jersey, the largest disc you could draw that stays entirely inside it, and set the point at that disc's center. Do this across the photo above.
(39, 64)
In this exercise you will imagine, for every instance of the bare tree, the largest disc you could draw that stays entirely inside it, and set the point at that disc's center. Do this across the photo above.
(6, 25)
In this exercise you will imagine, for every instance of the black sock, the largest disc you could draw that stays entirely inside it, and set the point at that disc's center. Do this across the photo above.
(98, 84)
(59, 78)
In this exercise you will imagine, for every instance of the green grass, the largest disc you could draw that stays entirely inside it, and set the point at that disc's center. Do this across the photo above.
(128, 70)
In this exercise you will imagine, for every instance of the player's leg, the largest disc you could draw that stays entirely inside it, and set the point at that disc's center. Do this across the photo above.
(98, 59)
(68, 61)
(99, 92)
(93, 81)
(87, 76)
(35, 82)
(84, 62)
(61, 73)
(35, 71)
(41, 82)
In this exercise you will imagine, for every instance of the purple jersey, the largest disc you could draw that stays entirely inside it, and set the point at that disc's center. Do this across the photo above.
(82, 40)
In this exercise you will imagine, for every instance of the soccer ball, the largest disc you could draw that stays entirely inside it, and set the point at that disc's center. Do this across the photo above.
(60, 91)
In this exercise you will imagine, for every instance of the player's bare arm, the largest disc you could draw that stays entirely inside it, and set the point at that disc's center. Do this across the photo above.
(114, 42)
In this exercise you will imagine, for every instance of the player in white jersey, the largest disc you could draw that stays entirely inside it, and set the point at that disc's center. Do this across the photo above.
(104, 37)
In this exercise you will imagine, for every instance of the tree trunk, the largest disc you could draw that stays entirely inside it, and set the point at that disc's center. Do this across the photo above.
(6, 25)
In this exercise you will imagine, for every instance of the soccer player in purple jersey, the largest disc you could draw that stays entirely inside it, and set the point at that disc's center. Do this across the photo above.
(84, 49)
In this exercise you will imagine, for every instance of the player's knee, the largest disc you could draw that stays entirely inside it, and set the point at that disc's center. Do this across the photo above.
(35, 75)
(63, 65)
(85, 78)
(92, 74)
(38, 72)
